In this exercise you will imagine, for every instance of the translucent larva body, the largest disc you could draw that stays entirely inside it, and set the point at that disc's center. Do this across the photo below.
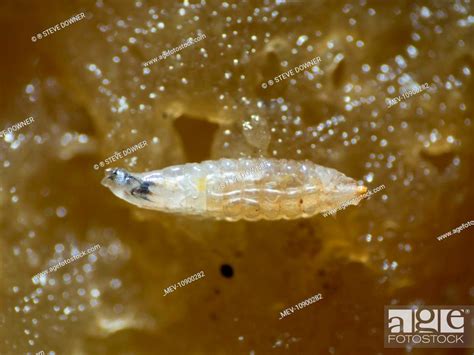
(230, 189)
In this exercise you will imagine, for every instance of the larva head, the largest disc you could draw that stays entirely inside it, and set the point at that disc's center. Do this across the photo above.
(118, 177)
(114, 176)
(121, 182)
(129, 187)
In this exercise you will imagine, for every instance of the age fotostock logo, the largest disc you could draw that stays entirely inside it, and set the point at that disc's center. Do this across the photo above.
(429, 326)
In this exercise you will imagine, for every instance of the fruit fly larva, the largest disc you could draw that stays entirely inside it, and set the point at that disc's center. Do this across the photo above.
(233, 189)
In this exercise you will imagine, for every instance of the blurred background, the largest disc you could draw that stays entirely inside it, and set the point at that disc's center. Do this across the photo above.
(90, 96)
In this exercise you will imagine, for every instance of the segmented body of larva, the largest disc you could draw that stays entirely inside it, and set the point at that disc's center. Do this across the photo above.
(230, 189)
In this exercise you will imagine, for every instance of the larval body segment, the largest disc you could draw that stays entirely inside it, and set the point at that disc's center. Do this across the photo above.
(233, 189)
